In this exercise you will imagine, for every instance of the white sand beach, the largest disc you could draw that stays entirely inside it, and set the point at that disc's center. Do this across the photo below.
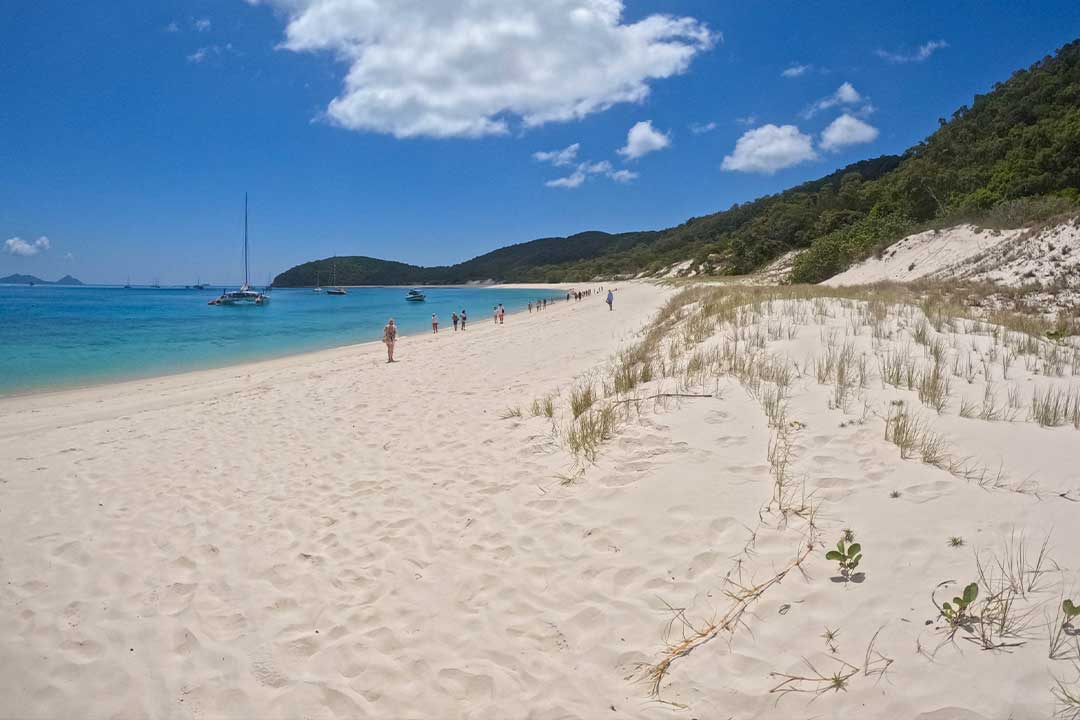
(329, 536)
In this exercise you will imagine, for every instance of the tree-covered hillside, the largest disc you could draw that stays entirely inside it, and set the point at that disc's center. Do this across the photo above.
(1014, 155)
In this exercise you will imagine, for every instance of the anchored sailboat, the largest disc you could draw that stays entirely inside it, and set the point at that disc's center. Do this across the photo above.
(245, 295)
(335, 289)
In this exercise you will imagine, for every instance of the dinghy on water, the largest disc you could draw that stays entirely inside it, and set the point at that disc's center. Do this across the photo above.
(245, 295)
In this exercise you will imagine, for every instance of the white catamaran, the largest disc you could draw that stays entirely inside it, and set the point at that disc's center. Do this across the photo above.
(245, 295)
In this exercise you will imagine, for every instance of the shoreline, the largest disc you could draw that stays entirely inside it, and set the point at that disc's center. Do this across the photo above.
(286, 355)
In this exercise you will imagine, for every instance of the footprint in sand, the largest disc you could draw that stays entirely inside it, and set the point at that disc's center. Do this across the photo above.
(265, 670)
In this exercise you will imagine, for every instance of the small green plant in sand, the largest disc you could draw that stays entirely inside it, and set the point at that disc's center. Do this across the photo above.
(956, 612)
(543, 406)
(1071, 611)
(956, 541)
(830, 637)
(848, 554)
(894, 494)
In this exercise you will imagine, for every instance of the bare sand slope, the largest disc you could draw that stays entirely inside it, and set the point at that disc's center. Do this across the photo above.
(327, 536)
(923, 255)
(1048, 257)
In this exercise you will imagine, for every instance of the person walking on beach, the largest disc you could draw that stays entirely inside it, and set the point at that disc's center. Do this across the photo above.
(434, 323)
(495, 313)
(502, 314)
(454, 318)
(530, 308)
(389, 337)
(463, 318)
(610, 300)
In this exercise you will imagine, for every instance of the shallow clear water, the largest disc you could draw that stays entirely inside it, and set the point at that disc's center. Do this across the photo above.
(65, 336)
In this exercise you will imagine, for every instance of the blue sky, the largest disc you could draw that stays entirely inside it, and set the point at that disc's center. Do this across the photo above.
(130, 130)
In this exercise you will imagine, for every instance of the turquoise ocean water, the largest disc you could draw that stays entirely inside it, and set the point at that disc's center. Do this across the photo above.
(53, 337)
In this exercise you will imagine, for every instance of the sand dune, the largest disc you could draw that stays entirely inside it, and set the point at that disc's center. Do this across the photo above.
(329, 536)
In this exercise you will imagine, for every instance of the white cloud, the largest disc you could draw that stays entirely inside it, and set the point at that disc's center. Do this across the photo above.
(749, 120)
(643, 139)
(795, 71)
(202, 24)
(585, 169)
(172, 27)
(846, 94)
(559, 158)
(469, 68)
(847, 130)
(702, 128)
(69, 256)
(210, 51)
(922, 53)
(770, 148)
(569, 182)
(18, 246)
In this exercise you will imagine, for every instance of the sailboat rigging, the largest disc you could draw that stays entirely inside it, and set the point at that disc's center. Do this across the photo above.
(335, 289)
(245, 295)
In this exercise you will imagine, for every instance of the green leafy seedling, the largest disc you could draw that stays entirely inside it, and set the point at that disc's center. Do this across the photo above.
(1071, 610)
(847, 556)
(956, 612)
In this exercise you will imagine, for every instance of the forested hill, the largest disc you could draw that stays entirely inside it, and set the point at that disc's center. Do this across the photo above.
(1013, 156)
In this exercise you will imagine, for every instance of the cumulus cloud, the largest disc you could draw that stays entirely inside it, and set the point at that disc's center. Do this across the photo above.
(846, 94)
(18, 246)
(702, 128)
(795, 71)
(559, 158)
(922, 53)
(847, 130)
(770, 148)
(643, 139)
(623, 176)
(172, 27)
(202, 24)
(469, 68)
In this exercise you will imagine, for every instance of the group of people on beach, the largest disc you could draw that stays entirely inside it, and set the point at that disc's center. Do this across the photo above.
(390, 331)
(454, 318)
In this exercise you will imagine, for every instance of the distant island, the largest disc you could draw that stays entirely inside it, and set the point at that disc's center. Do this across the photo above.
(18, 279)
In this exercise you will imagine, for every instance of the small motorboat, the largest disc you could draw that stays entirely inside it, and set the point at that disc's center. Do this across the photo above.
(415, 296)
(336, 291)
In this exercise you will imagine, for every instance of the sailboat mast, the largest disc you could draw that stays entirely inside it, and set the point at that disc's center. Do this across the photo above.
(245, 240)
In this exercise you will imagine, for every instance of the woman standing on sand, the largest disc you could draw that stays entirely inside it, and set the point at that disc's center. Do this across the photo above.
(463, 318)
(502, 314)
(454, 318)
(610, 300)
(434, 323)
(389, 337)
